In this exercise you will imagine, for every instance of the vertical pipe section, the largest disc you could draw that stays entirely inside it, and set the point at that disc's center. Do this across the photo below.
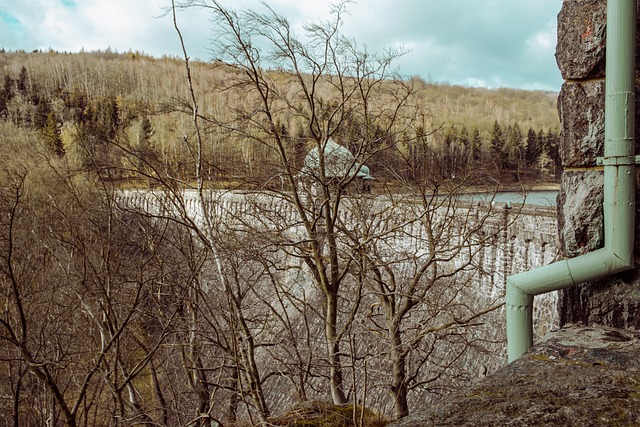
(619, 131)
(619, 190)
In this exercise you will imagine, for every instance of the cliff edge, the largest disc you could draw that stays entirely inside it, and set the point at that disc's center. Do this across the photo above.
(577, 376)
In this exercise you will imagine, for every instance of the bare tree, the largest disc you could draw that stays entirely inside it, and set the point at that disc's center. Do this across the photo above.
(184, 304)
(77, 278)
(418, 251)
(310, 214)
(329, 83)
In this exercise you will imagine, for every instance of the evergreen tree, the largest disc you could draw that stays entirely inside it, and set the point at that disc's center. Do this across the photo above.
(448, 164)
(465, 141)
(96, 131)
(22, 82)
(463, 137)
(299, 148)
(41, 116)
(417, 155)
(76, 104)
(533, 149)
(476, 147)
(552, 148)
(514, 147)
(542, 143)
(52, 135)
(146, 131)
(146, 153)
(105, 117)
(7, 88)
(4, 111)
(498, 145)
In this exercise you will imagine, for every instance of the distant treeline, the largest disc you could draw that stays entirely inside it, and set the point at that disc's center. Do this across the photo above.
(91, 106)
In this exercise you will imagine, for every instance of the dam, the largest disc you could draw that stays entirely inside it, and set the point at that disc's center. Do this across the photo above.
(479, 243)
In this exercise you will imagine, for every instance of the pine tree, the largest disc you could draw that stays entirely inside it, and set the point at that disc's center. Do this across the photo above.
(417, 155)
(463, 137)
(7, 88)
(299, 148)
(105, 117)
(533, 149)
(465, 142)
(514, 147)
(146, 153)
(22, 82)
(96, 131)
(449, 161)
(41, 116)
(498, 145)
(552, 148)
(476, 147)
(76, 104)
(52, 135)
(4, 111)
(146, 131)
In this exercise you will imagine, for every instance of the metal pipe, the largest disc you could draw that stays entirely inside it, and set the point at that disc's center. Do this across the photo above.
(619, 189)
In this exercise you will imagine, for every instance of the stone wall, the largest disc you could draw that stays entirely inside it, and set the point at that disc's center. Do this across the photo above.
(505, 240)
(581, 58)
(532, 242)
(514, 239)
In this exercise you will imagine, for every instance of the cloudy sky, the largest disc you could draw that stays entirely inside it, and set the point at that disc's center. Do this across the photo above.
(490, 43)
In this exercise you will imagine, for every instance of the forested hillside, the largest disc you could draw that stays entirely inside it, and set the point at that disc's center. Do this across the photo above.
(78, 102)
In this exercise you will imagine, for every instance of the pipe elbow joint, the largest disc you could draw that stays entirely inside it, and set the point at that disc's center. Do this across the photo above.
(519, 312)
(622, 260)
(517, 298)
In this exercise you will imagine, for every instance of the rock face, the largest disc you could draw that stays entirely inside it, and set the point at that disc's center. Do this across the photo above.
(581, 110)
(580, 55)
(578, 376)
(581, 43)
(580, 219)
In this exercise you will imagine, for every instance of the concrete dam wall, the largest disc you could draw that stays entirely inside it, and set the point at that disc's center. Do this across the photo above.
(482, 243)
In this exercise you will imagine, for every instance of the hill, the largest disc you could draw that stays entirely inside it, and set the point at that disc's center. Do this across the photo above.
(143, 100)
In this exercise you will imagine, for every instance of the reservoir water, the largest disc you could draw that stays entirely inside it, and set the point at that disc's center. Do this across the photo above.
(531, 198)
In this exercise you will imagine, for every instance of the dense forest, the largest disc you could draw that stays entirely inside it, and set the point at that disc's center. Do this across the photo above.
(179, 247)
(79, 102)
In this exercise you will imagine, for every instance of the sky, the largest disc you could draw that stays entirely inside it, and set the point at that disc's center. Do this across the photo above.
(477, 43)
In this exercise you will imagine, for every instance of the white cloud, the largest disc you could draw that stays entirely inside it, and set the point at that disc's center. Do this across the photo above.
(449, 41)
(94, 24)
(475, 82)
(544, 40)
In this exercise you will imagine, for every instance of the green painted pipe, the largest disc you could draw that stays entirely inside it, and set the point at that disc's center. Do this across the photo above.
(619, 190)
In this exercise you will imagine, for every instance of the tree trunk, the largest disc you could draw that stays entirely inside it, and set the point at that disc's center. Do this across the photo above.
(333, 351)
(252, 373)
(234, 399)
(161, 401)
(399, 380)
(16, 397)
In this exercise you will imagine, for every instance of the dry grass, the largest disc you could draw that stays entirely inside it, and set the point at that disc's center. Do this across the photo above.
(323, 414)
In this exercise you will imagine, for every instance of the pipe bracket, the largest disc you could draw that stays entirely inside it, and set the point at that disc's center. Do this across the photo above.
(618, 160)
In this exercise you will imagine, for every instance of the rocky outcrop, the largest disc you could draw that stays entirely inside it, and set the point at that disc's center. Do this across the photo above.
(581, 39)
(578, 376)
(581, 110)
(581, 217)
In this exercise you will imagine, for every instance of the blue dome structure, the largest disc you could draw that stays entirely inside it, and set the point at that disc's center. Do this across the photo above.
(339, 162)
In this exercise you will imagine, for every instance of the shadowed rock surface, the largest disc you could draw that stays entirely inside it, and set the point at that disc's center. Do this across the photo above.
(578, 376)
